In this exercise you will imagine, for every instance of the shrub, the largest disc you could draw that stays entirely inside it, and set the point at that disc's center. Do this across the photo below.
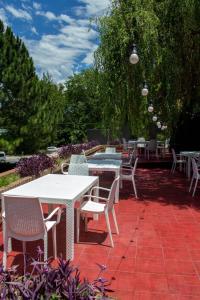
(34, 165)
(46, 282)
(66, 150)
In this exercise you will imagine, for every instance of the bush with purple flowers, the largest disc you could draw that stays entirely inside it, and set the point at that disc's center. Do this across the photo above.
(34, 165)
(46, 282)
(65, 151)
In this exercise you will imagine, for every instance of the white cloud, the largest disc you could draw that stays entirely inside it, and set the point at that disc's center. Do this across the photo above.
(59, 54)
(36, 5)
(33, 29)
(52, 17)
(92, 7)
(18, 13)
(3, 16)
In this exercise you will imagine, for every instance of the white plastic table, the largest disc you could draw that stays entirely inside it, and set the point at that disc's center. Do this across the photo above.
(106, 165)
(104, 155)
(58, 189)
(189, 155)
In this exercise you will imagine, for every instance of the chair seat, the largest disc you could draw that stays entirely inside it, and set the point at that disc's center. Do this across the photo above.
(50, 224)
(181, 161)
(91, 206)
(126, 177)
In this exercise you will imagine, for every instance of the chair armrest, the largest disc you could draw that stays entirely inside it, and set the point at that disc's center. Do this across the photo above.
(57, 211)
(124, 165)
(91, 196)
(99, 188)
(62, 168)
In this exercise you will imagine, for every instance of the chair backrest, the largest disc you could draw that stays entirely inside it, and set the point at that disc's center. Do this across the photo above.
(134, 167)
(77, 159)
(174, 155)
(84, 154)
(78, 169)
(132, 157)
(110, 150)
(152, 145)
(194, 167)
(24, 218)
(111, 197)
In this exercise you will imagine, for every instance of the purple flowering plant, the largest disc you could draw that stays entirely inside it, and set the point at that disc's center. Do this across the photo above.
(46, 282)
(34, 165)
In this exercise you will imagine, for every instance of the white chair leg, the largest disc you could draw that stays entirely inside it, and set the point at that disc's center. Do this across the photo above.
(191, 184)
(134, 187)
(45, 246)
(115, 220)
(77, 225)
(109, 229)
(54, 241)
(195, 186)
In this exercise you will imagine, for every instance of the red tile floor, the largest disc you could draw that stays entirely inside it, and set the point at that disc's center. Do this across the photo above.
(157, 253)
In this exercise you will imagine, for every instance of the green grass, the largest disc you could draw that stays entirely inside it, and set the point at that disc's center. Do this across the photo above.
(6, 180)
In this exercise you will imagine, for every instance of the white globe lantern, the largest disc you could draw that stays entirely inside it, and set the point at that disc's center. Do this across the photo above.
(145, 90)
(155, 118)
(134, 58)
(158, 124)
(150, 108)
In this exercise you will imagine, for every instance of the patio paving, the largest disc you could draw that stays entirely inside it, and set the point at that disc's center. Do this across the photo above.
(157, 253)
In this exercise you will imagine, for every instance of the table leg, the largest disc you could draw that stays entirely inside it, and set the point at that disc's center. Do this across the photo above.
(70, 230)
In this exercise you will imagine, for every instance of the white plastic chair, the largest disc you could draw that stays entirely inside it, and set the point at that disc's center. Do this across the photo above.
(128, 173)
(110, 150)
(24, 221)
(75, 159)
(130, 162)
(91, 206)
(78, 169)
(141, 146)
(151, 147)
(195, 176)
(177, 160)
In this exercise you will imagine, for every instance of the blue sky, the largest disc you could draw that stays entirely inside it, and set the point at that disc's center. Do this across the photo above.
(56, 32)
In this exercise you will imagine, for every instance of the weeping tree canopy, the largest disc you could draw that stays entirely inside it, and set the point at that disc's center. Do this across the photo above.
(167, 34)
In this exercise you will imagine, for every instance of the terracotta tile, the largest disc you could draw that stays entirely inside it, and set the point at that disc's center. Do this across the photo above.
(147, 265)
(185, 285)
(151, 282)
(176, 253)
(150, 252)
(154, 296)
(179, 267)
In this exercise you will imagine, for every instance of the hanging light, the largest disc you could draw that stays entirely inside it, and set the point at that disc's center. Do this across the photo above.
(150, 108)
(134, 58)
(158, 124)
(155, 118)
(145, 90)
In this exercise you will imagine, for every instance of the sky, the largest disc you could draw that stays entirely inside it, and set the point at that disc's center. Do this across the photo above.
(57, 33)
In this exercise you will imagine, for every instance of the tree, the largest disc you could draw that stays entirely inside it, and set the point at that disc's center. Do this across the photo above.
(82, 106)
(30, 108)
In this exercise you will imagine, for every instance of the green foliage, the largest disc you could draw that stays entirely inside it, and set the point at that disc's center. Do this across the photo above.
(30, 108)
(82, 107)
(168, 38)
(6, 180)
